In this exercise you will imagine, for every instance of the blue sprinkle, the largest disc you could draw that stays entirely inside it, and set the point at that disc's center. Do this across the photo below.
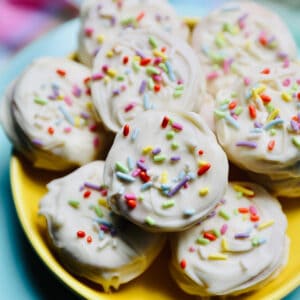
(135, 134)
(146, 186)
(232, 121)
(66, 114)
(101, 235)
(130, 163)
(273, 123)
(146, 103)
(189, 212)
(125, 177)
(170, 71)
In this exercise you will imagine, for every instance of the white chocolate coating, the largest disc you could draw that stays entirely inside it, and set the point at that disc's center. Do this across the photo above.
(165, 171)
(238, 248)
(103, 20)
(258, 122)
(50, 118)
(146, 70)
(90, 241)
(237, 36)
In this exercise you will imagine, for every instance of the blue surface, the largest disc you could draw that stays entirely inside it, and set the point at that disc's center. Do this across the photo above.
(22, 274)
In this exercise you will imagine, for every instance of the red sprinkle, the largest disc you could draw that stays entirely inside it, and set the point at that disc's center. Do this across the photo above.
(232, 105)
(209, 236)
(252, 111)
(86, 194)
(200, 152)
(183, 264)
(144, 176)
(298, 96)
(263, 40)
(89, 239)
(104, 192)
(145, 61)
(265, 98)
(271, 145)
(125, 60)
(51, 130)
(165, 122)
(157, 88)
(265, 71)
(80, 234)
(126, 130)
(61, 72)
(203, 169)
(88, 32)
(254, 218)
(131, 203)
(87, 80)
(243, 210)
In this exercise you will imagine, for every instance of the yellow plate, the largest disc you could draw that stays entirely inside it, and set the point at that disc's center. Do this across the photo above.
(28, 186)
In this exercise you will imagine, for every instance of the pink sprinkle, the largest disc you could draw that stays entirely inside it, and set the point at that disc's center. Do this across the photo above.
(226, 65)
(97, 76)
(123, 88)
(252, 210)
(298, 81)
(68, 100)
(136, 172)
(224, 229)
(177, 126)
(286, 82)
(212, 75)
(105, 68)
(88, 31)
(286, 63)
(157, 78)
(130, 197)
(157, 60)
(96, 141)
(247, 81)
(130, 106)
(192, 249)
(67, 129)
(180, 81)
(142, 159)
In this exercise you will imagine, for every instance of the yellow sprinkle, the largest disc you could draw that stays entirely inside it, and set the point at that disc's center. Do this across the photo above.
(258, 90)
(89, 105)
(164, 177)
(265, 224)
(203, 192)
(60, 97)
(147, 149)
(160, 54)
(273, 115)
(202, 163)
(217, 256)
(106, 79)
(137, 58)
(245, 217)
(224, 244)
(77, 121)
(247, 45)
(286, 97)
(102, 202)
(100, 38)
(109, 54)
(243, 190)
(112, 72)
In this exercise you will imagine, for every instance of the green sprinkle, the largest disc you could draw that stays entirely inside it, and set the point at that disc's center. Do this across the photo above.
(122, 168)
(296, 141)
(153, 42)
(140, 198)
(128, 21)
(120, 78)
(152, 71)
(74, 204)
(98, 211)
(270, 107)
(235, 211)
(255, 242)
(150, 221)
(159, 158)
(174, 145)
(135, 66)
(170, 134)
(220, 41)
(225, 101)
(164, 67)
(40, 101)
(238, 110)
(151, 84)
(216, 232)
(168, 204)
(273, 132)
(220, 114)
(224, 215)
(202, 241)
(178, 93)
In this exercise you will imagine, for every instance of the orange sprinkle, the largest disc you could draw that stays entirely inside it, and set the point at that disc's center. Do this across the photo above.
(157, 88)
(252, 111)
(145, 61)
(265, 71)
(203, 169)
(254, 218)
(163, 49)
(61, 72)
(89, 239)
(131, 203)
(209, 236)
(263, 40)
(232, 105)
(243, 210)
(140, 16)
(51, 130)
(265, 98)
(271, 145)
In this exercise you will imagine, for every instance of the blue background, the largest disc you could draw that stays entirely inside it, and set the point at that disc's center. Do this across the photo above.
(23, 275)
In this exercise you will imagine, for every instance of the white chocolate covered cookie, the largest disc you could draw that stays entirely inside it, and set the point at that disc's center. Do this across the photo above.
(144, 70)
(103, 20)
(92, 242)
(258, 121)
(49, 116)
(238, 248)
(239, 35)
(165, 171)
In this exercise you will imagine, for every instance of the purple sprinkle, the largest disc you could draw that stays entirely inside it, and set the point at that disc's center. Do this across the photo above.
(175, 158)
(211, 214)
(92, 186)
(113, 21)
(282, 55)
(258, 125)
(246, 144)
(156, 151)
(37, 142)
(241, 236)
(142, 87)
(294, 125)
(139, 53)
(223, 201)
(85, 115)
(176, 189)
(76, 91)
(116, 92)
(141, 165)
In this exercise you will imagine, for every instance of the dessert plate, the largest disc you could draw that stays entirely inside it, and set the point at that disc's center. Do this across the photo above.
(28, 186)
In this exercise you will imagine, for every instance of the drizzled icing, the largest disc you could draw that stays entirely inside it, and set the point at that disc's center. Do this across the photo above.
(162, 171)
(91, 241)
(50, 115)
(238, 247)
(258, 121)
(102, 20)
(144, 70)
(238, 36)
